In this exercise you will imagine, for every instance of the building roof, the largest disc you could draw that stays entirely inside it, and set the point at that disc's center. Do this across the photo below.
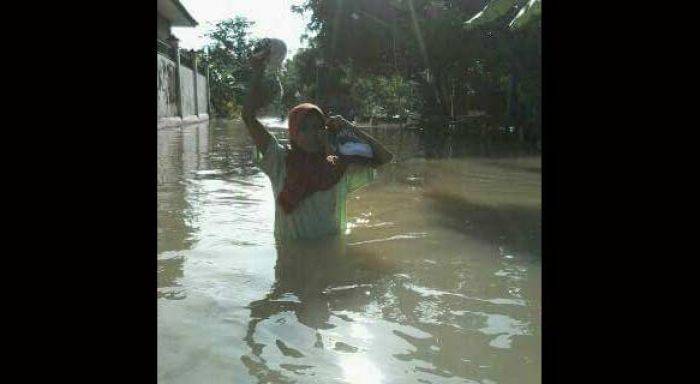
(175, 13)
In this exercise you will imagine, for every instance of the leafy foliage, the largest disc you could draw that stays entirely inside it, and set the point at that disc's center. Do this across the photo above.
(228, 70)
(419, 54)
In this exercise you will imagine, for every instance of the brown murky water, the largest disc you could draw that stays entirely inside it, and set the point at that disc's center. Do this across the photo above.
(437, 281)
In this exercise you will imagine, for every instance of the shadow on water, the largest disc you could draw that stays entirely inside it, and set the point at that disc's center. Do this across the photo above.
(495, 199)
(517, 227)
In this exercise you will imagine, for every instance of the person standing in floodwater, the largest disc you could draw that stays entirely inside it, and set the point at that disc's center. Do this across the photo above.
(310, 186)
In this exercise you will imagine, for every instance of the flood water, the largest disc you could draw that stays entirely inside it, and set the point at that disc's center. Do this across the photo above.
(437, 281)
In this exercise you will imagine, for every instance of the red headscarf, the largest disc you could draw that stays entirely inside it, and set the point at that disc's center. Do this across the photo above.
(306, 172)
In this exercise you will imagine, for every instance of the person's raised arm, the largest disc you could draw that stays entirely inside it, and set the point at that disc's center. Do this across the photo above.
(381, 154)
(254, 101)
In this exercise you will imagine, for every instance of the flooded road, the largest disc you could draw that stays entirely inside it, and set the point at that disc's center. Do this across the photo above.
(436, 281)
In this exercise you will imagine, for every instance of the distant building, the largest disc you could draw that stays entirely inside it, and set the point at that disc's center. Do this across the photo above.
(183, 90)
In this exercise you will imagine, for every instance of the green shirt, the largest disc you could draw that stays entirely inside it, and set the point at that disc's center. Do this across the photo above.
(320, 214)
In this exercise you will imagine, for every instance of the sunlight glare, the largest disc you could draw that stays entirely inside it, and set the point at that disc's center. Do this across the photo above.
(358, 369)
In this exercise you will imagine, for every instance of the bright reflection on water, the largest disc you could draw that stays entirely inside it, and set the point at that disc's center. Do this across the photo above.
(438, 280)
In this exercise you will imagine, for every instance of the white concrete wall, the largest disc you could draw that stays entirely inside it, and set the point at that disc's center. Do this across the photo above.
(202, 94)
(167, 91)
(187, 88)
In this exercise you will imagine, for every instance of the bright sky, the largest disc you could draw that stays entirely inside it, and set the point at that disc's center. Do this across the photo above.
(273, 18)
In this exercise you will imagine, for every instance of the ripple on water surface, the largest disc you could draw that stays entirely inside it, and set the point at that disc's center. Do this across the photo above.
(437, 280)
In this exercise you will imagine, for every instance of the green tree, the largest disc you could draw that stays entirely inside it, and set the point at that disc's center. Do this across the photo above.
(229, 71)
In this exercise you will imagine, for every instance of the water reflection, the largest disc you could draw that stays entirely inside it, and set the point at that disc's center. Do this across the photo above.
(314, 281)
(337, 308)
(181, 151)
(172, 229)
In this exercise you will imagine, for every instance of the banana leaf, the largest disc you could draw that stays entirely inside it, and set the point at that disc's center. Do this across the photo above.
(492, 11)
(498, 8)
